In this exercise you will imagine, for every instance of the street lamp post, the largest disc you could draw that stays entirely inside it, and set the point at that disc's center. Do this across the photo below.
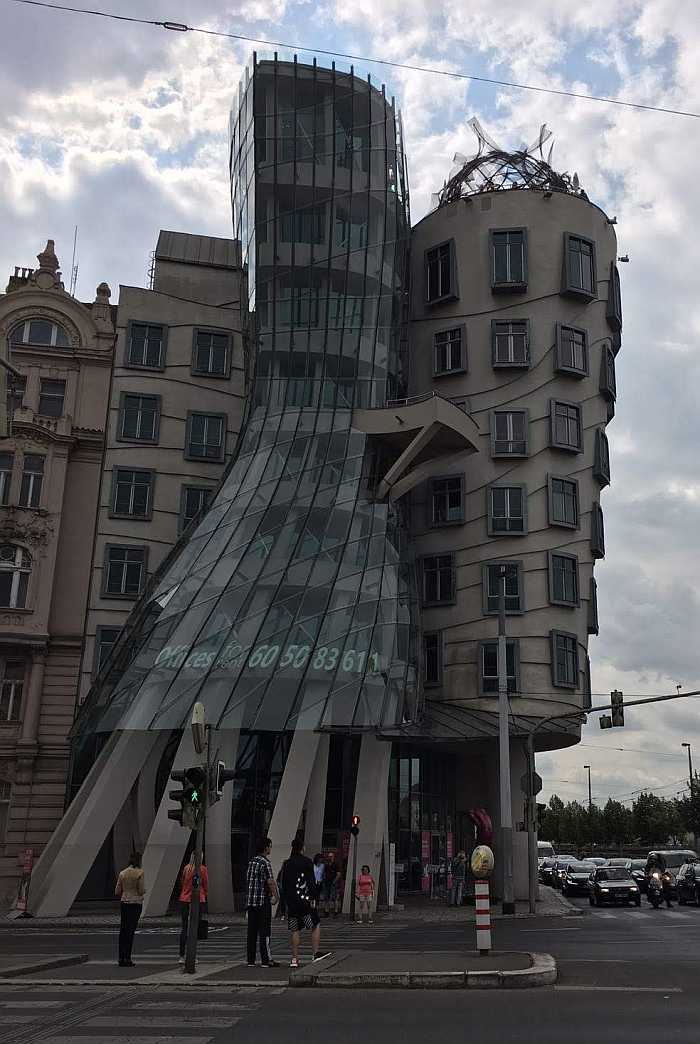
(506, 808)
(690, 767)
(590, 798)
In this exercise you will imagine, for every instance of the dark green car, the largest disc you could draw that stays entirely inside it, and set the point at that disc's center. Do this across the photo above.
(612, 885)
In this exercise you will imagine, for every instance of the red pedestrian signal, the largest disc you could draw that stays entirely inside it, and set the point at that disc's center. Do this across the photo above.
(355, 828)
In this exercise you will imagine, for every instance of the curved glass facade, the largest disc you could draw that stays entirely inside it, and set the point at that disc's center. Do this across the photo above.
(292, 604)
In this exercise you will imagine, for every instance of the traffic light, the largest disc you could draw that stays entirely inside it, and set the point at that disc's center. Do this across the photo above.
(618, 711)
(355, 828)
(192, 797)
(220, 776)
(605, 721)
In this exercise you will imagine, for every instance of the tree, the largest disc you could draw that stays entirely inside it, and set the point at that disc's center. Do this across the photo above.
(689, 808)
(550, 827)
(616, 823)
(654, 819)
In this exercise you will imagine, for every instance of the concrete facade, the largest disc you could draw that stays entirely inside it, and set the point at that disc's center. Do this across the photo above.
(51, 473)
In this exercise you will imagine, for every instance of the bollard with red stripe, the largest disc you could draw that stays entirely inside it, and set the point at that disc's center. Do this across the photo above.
(482, 865)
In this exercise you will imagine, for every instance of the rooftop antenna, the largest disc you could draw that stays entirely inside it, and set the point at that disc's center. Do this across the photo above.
(74, 265)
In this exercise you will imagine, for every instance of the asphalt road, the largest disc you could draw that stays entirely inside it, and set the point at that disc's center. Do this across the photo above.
(625, 975)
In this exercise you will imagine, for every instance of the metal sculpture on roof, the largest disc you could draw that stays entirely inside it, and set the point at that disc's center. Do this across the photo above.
(492, 169)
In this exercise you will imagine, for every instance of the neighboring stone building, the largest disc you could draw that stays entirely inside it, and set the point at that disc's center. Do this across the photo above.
(49, 483)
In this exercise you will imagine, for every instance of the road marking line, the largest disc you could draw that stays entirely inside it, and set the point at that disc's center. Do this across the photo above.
(127, 1039)
(155, 1022)
(620, 989)
(538, 931)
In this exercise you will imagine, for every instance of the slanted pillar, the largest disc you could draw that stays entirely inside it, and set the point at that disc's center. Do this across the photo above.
(290, 799)
(316, 799)
(371, 805)
(218, 839)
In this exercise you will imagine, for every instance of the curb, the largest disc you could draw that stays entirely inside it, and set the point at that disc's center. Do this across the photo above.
(45, 964)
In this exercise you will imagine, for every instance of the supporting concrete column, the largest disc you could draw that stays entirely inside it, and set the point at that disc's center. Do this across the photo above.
(371, 805)
(70, 853)
(290, 799)
(135, 820)
(316, 799)
(167, 840)
(218, 839)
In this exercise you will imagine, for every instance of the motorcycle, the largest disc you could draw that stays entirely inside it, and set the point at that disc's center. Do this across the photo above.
(658, 883)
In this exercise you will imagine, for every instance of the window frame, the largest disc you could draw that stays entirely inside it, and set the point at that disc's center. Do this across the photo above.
(5, 806)
(462, 368)
(492, 532)
(597, 530)
(113, 513)
(223, 417)
(513, 643)
(500, 454)
(13, 701)
(557, 681)
(229, 353)
(163, 355)
(554, 444)
(26, 326)
(29, 506)
(182, 525)
(601, 458)
(553, 600)
(453, 292)
(608, 377)
(96, 665)
(18, 570)
(613, 311)
(453, 566)
(434, 524)
(104, 592)
(508, 365)
(120, 436)
(551, 479)
(592, 611)
(435, 682)
(560, 366)
(52, 397)
(485, 568)
(509, 286)
(6, 475)
(568, 286)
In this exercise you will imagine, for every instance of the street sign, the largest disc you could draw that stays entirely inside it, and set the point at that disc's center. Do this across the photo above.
(525, 782)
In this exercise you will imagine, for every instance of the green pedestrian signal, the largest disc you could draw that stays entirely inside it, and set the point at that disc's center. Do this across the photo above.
(192, 797)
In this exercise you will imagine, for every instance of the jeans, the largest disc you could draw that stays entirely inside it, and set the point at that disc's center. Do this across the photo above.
(259, 929)
(185, 915)
(130, 913)
(457, 892)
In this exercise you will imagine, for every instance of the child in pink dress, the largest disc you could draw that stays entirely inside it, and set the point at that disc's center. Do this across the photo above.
(365, 894)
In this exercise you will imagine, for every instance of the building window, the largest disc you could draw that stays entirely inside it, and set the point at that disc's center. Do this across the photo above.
(579, 267)
(139, 417)
(51, 398)
(132, 493)
(11, 689)
(439, 580)
(15, 570)
(306, 225)
(16, 388)
(211, 353)
(510, 342)
(5, 796)
(450, 352)
(146, 345)
(608, 384)
(564, 659)
(124, 571)
(571, 351)
(205, 436)
(195, 500)
(593, 607)
(491, 586)
(614, 310)
(488, 659)
(509, 433)
(563, 579)
(40, 332)
(507, 510)
(32, 479)
(601, 458)
(563, 501)
(597, 531)
(508, 260)
(6, 462)
(566, 430)
(432, 658)
(440, 276)
(447, 500)
(105, 638)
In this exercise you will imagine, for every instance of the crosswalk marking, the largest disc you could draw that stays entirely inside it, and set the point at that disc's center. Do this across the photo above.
(164, 1005)
(127, 1039)
(32, 1004)
(156, 1021)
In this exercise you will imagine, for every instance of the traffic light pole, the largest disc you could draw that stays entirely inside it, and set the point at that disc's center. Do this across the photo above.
(506, 809)
(195, 907)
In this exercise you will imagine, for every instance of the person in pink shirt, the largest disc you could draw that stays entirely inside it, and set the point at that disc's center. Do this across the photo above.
(186, 899)
(365, 894)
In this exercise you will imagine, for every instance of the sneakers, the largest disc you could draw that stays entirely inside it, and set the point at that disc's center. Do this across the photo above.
(251, 964)
(270, 964)
(181, 960)
(320, 954)
(294, 963)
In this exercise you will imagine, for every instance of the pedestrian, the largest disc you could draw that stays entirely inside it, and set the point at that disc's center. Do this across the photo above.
(365, 894)
(319, 872)
(331, 880)
(459, 878)
(262, 893)
(186, 899)
(299, 894)
(130, 889)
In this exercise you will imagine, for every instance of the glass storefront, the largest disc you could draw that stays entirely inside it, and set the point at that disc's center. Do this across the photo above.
(421, 817)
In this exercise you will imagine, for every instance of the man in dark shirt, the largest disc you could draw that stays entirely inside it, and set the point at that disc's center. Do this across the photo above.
(262, 891)
(299, 893)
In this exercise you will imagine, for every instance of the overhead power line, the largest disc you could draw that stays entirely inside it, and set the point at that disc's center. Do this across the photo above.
(633, 750)
(181, 27)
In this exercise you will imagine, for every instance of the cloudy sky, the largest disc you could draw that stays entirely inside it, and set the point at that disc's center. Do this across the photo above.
(121, 129)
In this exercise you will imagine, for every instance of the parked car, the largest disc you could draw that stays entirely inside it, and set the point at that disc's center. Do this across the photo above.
(561, 867)
(544, 850)
(546, 870)
(637, 867)
(673, 860)
(576, 880)
(618, 861)
(597, 860)
(688, 884)
(612, 884)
